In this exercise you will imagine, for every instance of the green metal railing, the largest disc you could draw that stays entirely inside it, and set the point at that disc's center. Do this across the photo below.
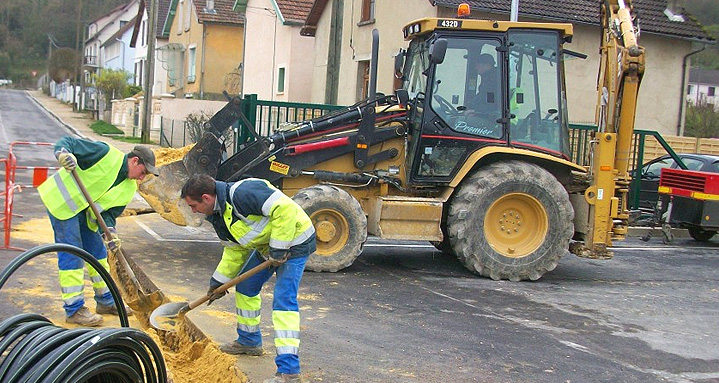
(268, 116)
(580, 142)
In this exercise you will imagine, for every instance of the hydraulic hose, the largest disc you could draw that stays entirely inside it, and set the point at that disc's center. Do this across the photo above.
(32, 349)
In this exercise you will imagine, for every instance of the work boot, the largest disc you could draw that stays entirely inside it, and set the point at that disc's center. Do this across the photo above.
(111, 309)
(84, 317)
(234, 348)
(284, 378)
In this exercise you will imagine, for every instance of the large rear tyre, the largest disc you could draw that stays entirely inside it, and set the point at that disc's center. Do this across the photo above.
(340, 224)
(510, 220)
(701, 235)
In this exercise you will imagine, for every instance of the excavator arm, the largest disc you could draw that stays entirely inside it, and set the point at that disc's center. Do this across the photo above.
(620, 73)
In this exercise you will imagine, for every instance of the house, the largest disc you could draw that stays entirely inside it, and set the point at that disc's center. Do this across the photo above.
(100, 31)
(703, 86)
(140, 38)
(342, 33)
(205, 48)
(118, 52)
(277, 65)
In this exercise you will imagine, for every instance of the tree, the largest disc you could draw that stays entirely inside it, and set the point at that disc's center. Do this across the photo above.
(111, 83)
(62, 64)
(702, 120)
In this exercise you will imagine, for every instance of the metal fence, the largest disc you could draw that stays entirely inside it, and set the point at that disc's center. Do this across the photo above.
(266, 117)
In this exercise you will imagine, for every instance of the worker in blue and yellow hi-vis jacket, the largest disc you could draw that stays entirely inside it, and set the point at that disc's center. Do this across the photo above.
(110, 178)
(253, 219)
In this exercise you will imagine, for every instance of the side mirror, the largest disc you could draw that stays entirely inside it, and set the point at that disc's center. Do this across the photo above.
(437, 51)
(399, 62)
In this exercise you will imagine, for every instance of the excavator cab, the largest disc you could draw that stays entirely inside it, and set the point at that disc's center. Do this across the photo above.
(478, 83)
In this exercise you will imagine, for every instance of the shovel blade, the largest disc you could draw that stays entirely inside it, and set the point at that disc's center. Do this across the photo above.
(162, 193)
(167, 316)
(146, 302)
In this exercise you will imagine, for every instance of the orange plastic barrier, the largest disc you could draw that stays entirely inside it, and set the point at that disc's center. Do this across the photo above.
(39, 175)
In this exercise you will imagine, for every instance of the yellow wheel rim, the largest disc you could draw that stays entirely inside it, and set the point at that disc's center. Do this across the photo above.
(332, 231)
(516, 225)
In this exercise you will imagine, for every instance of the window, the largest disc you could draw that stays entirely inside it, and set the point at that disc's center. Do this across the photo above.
(462, 84)
(655, 169)
(143, 33)
(535, 97)
(281, 80)
(693, 163)
(690, 89)
(191, 55)
(711, 91)
(367, 11)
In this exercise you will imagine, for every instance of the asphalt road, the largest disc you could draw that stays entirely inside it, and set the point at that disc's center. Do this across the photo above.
(406, 313)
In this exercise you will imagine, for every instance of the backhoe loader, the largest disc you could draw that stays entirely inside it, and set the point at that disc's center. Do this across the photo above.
(493, 184)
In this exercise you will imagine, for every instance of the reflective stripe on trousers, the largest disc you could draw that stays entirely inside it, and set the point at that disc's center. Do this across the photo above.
(285, 311)
(74, 231)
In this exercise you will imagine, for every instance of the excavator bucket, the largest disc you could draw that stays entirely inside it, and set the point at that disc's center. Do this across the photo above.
(176, 166)
(162, 193)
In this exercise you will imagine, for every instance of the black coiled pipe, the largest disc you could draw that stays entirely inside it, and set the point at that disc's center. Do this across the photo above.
(32, 349)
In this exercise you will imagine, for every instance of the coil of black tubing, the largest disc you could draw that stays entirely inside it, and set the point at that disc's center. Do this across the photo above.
(33, 349)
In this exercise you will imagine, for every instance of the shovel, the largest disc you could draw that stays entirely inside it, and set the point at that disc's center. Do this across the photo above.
(163, 318)
(144, 302)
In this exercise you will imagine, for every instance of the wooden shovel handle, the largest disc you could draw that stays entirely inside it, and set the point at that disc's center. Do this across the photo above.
(231, 283)
(103, 226)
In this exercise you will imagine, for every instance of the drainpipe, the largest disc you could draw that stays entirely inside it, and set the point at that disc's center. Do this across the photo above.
(244, 49)
(202, 65)
(123, 52)
(514, 12)
(682, 99)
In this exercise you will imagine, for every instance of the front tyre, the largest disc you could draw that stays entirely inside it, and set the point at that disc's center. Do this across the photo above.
(340, 226)
(510, 220)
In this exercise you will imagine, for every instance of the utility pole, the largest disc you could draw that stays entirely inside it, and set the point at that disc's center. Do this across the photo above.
(149, 70)
(75, 105)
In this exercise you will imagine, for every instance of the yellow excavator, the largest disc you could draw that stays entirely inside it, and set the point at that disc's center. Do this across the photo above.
(477, 162)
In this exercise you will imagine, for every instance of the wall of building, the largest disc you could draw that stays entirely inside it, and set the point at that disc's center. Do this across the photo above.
(222, 56)
(270, 46)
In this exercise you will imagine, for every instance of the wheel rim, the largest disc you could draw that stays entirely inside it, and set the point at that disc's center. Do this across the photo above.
(516, 225)
(332, 231)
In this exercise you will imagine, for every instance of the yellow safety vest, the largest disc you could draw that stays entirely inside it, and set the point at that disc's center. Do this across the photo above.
(290, 226)
(63, 197)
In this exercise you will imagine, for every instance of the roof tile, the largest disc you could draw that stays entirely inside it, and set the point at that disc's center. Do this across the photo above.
(294, 10)
(223, 12)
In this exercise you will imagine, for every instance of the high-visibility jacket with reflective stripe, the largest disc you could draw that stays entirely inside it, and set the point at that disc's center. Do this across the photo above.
(63, 198)
(255, 215)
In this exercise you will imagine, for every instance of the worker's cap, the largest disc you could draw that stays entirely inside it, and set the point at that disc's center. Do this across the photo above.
(486, 58)
(147, 157)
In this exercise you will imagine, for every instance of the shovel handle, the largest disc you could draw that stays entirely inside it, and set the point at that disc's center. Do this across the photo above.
(103, 226)
(230, 283)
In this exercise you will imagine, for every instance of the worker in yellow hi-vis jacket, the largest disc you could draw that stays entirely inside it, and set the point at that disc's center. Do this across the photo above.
(253, 217)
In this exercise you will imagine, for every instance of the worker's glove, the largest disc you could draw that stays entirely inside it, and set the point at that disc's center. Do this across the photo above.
(210, 293)
(113, 243)
(66, 159)
(277, 258)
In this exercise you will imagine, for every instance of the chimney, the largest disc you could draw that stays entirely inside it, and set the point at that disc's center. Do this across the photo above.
(674, 10)
(210, 6)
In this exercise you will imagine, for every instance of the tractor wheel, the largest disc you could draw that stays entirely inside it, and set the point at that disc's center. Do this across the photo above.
(701, 235)
(340, 224)
(510, 220)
